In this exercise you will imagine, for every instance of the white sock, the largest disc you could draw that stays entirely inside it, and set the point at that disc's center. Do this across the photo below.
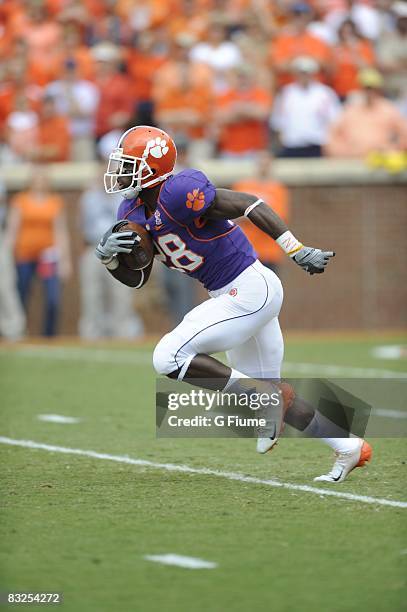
(320, 427)
(341, 445)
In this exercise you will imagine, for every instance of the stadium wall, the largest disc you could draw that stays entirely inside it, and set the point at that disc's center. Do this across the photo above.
(359, 213)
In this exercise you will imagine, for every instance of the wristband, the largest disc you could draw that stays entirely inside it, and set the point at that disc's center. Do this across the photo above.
(252, 206)
(289, 243)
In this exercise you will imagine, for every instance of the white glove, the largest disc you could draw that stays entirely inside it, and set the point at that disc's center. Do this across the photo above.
(113, 242)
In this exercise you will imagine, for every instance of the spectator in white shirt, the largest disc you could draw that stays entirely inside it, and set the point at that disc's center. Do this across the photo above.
(219, 53)
(78, 99)
(371, 19)
(303, 112)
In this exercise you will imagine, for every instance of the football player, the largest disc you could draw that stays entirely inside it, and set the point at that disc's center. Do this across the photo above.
(190, 222)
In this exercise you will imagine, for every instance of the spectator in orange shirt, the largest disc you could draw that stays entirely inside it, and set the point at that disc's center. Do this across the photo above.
(183, 94)
(26, 67)
(276, 195)
(144, 60)
(241, 116)
(36, 231)
(42, 35)
(296, 41)
(116, 95)
(74, 50)
(190, 20)
(54, 140)
(369, 124)
(351, 54)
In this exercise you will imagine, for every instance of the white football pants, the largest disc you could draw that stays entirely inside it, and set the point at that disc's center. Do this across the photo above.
(240, 318)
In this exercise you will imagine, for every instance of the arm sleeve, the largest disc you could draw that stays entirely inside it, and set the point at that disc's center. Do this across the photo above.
(187, 196)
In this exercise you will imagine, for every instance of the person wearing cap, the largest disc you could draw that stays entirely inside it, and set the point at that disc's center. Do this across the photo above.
(392, 53)
(371, 123)
(303, 111)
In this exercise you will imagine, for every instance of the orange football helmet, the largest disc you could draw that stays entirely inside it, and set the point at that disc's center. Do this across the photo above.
(144, 157)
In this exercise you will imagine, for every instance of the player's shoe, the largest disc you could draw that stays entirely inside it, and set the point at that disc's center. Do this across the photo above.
(264, 445)
(268, 434)
(346, 462)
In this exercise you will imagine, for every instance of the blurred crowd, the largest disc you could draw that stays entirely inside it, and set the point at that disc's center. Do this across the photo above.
(233, 79)
(225, 77)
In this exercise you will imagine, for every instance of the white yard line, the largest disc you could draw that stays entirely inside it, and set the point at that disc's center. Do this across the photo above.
(181, 561)
(136, 357)
(58, 418)
(171, 467)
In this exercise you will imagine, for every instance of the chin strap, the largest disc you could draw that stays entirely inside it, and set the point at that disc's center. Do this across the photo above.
(131, 192)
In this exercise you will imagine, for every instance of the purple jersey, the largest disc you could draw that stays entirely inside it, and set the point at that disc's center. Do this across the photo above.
(214, 251)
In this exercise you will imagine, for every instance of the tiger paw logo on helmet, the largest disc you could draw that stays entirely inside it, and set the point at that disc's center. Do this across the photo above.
(156, 147)
(195, 200)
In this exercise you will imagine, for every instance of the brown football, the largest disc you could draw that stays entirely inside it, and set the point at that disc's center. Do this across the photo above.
(142, 254)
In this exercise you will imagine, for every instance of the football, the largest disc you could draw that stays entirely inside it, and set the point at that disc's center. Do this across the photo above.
(142, 254)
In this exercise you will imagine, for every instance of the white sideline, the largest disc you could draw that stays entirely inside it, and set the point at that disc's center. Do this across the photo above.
(171, 467)
(121, 357)
(181, 561)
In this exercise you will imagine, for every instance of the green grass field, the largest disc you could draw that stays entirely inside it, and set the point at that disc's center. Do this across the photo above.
(83, 525)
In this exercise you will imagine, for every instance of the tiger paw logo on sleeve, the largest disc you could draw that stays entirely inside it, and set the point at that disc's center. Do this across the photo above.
(195, 200)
